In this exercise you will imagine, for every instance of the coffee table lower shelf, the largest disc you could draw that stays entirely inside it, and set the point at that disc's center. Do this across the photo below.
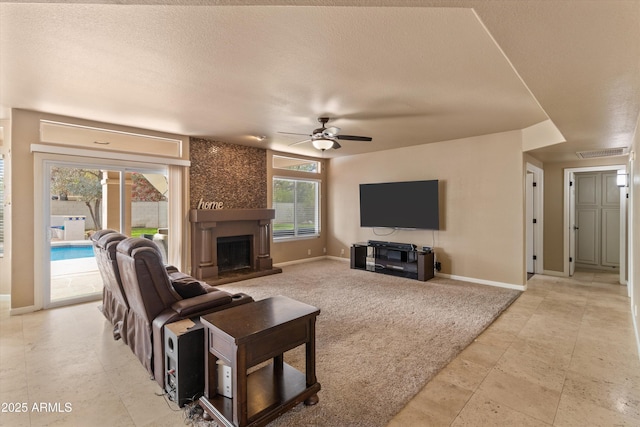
(269, 395)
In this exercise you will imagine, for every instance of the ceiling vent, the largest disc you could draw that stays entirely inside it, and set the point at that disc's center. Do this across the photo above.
(609, 152)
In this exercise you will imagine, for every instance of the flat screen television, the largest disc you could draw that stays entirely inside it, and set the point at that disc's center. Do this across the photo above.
(410, 204)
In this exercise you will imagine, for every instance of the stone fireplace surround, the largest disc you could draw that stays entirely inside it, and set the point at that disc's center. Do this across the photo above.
(208, 225)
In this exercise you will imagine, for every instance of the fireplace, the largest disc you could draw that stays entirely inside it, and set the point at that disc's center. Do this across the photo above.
(234, 253)
(228, 245)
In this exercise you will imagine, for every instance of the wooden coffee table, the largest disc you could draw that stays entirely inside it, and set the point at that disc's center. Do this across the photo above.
(247, 335)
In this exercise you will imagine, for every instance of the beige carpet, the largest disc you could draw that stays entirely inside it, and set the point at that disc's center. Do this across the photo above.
(379, 339)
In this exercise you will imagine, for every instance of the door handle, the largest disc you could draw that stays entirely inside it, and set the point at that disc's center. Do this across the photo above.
(575, 227)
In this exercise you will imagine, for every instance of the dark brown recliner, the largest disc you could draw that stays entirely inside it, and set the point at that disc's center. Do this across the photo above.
(114, 302)
(154, 302)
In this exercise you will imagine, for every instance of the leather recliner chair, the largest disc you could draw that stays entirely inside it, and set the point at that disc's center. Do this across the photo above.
(114, 302)
(115, 306)
(154, 300)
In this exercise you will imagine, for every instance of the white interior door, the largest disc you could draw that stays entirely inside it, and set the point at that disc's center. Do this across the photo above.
(624, 274)
(587, 241)
(529, 217)
(610, 238)
(608, 193)
(572, 224)
(587, 202)
(610, 221)
(598, 219)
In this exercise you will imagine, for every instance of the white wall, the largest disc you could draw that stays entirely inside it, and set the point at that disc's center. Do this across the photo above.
(481, 203)
(5, 259)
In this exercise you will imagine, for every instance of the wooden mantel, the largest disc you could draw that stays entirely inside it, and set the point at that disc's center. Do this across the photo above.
(208, 225)
(215, 215)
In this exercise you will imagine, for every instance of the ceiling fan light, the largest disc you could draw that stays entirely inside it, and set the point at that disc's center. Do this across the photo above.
(322, 143)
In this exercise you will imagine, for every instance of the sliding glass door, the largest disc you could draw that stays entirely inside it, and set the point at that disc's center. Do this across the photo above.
(84, 197)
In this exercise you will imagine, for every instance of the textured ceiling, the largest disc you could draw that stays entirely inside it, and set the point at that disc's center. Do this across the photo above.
(403, 75)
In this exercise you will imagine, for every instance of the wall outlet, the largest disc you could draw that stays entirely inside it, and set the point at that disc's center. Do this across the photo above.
(341, 251)
(308, 251)
(324, 250)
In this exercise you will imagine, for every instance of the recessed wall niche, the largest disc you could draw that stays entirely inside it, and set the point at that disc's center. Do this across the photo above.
(233, 174)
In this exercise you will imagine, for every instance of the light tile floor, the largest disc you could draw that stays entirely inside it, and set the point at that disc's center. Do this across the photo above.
(68, 355)
(563, 354)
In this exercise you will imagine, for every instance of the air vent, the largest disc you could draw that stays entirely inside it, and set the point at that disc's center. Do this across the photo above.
(609, 152)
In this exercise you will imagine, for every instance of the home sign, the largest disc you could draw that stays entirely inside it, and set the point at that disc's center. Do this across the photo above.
(209, 205)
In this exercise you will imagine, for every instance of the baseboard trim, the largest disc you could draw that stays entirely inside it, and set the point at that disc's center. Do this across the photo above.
(447, 276)
(299, 261)
(483, 282)
(22, 310)
(302, 261)
(553, 273)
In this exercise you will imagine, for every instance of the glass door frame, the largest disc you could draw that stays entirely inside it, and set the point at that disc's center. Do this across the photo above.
(43, 239)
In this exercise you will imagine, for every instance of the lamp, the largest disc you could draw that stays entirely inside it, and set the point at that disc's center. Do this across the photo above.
(322, 143)
(621, 179)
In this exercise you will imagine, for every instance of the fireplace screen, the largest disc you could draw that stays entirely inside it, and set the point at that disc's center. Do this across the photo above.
(234, 253)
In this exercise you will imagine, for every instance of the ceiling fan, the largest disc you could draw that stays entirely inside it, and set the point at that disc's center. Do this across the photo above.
(325, 138)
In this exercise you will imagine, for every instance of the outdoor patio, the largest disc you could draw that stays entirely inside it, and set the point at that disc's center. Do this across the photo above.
(74, 277)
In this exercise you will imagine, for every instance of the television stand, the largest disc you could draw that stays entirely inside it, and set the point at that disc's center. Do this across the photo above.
(396, 259)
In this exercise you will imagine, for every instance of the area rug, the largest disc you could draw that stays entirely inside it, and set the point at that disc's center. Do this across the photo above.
(379, 338)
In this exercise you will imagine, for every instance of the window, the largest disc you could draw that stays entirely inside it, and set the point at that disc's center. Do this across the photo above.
(296, 202)
(289, 163)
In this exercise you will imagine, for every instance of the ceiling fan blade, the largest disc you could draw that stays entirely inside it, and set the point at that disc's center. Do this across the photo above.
(335, 145)
(300, 142)
(331, 132)
(354, 138)
(293, 133)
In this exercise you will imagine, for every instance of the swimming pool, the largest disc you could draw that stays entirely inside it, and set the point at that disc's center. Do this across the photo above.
(62, 252)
